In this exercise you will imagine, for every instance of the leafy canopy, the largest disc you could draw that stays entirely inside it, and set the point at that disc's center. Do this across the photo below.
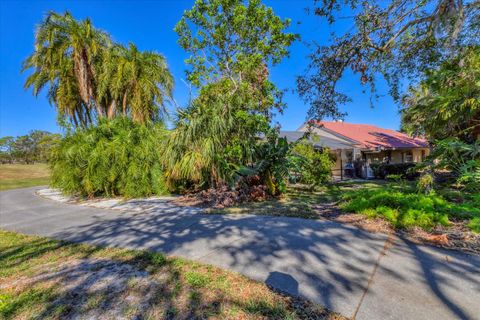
(33, 147)
(231, 38)
(395, 40)
(447, 102)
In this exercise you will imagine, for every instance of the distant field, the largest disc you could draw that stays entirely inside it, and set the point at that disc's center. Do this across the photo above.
(13, 176)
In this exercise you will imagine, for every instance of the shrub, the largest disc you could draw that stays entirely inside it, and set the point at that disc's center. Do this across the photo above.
(116, 158)
(425, 183)
(314, 166)
(381, 170)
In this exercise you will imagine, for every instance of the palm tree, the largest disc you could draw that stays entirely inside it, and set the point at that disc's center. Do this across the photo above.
(135, 83)
(212, 139)
(65, 56)
(90, 76)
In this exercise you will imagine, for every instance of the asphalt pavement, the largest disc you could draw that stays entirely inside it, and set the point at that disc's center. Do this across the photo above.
(353, 272)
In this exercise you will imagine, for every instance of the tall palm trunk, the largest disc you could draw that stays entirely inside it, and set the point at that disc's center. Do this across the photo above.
(84, 75)
(112, 108)
(124, 104)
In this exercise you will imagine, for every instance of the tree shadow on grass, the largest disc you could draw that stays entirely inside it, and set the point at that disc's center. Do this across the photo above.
(143, 285)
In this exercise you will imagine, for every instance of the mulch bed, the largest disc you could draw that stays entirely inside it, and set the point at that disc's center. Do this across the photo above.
(248, 189)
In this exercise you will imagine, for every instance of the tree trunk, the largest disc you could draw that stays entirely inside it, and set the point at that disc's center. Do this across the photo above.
(86, 83)
(124, 104)
(111, 110)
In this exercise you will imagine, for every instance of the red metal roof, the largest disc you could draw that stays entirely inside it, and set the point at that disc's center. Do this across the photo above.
(369, 136)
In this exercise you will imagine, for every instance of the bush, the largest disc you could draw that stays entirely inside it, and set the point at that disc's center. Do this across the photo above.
(381, 170)
(406, 208)
(425, 183)
(314, 166)
(116, 158)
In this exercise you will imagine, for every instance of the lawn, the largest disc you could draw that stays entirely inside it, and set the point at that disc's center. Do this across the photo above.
(44, 278)
(13, 176)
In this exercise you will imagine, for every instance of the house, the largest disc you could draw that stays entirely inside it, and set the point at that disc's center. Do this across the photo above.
(361, 143)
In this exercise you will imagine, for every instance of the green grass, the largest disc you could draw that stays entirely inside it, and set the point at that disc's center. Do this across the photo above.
(14, 176)
(404, 207)
(35, 284)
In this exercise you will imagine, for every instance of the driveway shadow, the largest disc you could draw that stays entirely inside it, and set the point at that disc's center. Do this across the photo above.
(330, 263)
(325, 262)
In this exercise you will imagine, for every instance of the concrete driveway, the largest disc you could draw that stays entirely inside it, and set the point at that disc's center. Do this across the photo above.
(358, 274)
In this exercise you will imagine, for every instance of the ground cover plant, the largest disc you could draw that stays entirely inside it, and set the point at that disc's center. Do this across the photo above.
(115, 158)
(13, 176)
(405, 207)
(48, 279)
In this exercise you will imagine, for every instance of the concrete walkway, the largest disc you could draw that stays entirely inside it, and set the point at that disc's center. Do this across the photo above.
(358, 274)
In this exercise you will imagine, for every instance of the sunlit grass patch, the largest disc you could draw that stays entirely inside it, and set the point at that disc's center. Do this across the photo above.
(14, 176)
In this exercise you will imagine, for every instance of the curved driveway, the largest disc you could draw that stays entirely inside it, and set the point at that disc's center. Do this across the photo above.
(339, 266)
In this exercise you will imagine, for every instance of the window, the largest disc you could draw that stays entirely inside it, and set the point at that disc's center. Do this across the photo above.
(408, 156)
(349, 156)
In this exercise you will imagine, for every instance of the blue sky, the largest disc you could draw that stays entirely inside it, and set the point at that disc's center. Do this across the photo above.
(149, 24)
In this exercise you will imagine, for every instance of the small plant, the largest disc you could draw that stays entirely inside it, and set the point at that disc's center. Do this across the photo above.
(312, 166)
(474, 224)
(196, 280)
(394, 177)
(425, 183)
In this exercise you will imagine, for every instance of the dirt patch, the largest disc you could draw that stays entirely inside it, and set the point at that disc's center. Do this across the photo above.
(457, 236)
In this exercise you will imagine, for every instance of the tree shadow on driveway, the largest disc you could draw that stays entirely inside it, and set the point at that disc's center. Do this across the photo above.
(332, 263)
